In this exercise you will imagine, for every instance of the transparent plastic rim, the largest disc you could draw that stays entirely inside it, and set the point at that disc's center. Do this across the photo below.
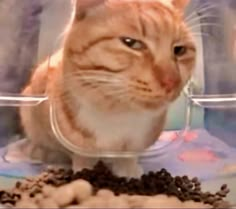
(17, 100)
(65, 142)
(211, 101)
(205, 101)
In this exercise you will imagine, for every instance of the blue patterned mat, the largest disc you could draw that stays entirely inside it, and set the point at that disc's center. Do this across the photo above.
(196, 153)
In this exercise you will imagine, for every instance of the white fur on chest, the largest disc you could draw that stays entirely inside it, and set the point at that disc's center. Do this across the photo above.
(121, 131)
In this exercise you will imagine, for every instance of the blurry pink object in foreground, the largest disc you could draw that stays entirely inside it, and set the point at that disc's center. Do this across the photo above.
(198, 155)
(169, 136)
(190, 136)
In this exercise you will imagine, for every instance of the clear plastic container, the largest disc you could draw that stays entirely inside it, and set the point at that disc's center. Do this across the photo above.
(203, 145)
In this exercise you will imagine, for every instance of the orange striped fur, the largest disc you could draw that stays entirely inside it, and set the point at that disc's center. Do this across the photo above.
(122, 64)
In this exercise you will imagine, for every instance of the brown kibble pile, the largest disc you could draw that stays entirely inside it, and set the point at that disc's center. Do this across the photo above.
(57, 188)
(153, 183)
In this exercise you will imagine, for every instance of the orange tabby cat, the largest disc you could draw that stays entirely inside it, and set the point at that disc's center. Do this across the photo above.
(122, 64)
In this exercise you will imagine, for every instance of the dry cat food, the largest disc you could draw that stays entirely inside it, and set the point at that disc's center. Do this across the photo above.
(57, 188)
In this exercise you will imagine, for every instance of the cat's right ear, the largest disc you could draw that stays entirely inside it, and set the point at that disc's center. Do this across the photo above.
(83, 7)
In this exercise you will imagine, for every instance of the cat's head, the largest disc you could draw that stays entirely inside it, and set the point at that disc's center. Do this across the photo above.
(137, 53)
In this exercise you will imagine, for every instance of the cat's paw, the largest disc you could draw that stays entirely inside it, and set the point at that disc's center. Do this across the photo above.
(129, 169)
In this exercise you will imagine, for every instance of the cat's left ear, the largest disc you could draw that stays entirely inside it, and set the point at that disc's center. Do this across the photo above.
(180, 4)
(83, 7)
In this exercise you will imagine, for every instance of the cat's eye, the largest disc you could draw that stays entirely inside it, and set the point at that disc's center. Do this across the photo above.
(180, 51)
(133, 43)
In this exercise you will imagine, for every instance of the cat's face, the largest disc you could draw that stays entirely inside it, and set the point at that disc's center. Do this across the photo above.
(129, 52)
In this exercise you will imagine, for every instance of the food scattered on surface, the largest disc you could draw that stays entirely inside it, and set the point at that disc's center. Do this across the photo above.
(98, 187)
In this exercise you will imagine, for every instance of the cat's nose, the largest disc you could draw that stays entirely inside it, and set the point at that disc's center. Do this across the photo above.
(169, 83)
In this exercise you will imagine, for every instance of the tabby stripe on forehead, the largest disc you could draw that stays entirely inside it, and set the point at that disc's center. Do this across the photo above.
(160, 8)
(141, 21)
(164, 12)
(143, 27)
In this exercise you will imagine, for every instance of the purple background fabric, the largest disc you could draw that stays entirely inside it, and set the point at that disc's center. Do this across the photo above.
(19, 33)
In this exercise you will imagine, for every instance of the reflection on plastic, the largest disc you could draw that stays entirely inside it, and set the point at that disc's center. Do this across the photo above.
(213, 101)
(16, 100)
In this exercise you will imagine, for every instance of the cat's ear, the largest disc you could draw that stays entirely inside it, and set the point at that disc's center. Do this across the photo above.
(180, 4)
(83, 7)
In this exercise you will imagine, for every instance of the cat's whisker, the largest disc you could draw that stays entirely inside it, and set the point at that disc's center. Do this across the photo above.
(199, 18)
(94, 72)
(99, 79)
(205, 24)
(107, 76)
(121, 96)
(100, 76)
(107, 85)
(111, 81)
(111, 88)
(118, 93)
(108, 89)
(97, 84)
(201, 34)
(204, 8)
(139, 99)
(202, 17)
